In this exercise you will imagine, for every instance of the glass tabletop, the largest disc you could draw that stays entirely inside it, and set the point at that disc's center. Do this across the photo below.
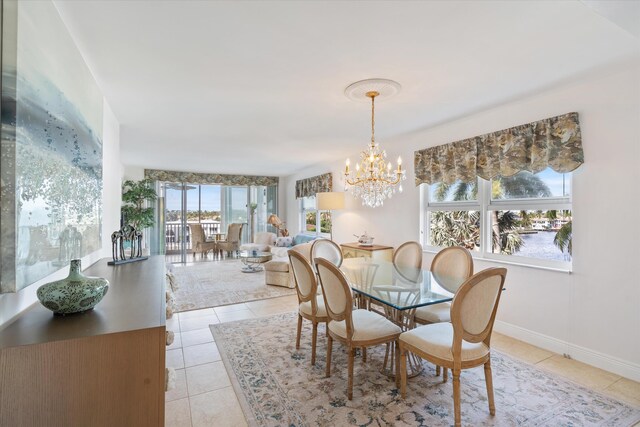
(402, 288)
(255, 254)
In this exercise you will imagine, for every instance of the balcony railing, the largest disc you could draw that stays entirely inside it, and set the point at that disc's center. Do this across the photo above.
(173, 234)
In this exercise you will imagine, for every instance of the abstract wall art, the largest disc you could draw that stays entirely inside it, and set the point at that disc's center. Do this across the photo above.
(51, 159)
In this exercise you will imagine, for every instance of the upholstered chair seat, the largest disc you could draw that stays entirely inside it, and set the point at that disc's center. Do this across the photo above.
(434, 313)
(436, 340)
(367, 325)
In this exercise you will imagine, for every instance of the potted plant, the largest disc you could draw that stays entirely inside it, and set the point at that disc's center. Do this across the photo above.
(136, 212)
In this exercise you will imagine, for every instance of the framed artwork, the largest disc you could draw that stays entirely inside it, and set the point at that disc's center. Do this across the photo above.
(51, 159)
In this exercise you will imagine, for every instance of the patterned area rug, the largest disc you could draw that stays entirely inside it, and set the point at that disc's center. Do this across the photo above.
(211, 284)
(278, 387)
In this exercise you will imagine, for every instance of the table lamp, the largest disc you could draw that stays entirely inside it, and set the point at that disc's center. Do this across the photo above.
(330, 201)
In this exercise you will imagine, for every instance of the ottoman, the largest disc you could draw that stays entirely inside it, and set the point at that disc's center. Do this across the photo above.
(277, 273)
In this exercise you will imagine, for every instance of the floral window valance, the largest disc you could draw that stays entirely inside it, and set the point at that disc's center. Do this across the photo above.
(209, 178)
(317, 184)
(554, 142)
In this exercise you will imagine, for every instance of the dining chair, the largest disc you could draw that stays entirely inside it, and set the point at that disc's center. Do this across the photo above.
(327, 249)
(465, 342)
(407, 260)
(199, 243)
(310, 305)
(353, 328)
(450, 267)
(232, 242)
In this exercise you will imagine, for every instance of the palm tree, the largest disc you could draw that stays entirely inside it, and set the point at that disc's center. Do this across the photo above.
(462, 227)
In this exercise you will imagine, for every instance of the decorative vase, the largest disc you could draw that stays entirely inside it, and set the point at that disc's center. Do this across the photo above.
(75, 294)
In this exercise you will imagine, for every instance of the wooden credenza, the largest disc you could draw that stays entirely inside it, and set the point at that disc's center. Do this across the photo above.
(375, 252)
(105, 367)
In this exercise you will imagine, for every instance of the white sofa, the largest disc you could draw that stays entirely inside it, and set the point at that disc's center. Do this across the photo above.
(262, 242)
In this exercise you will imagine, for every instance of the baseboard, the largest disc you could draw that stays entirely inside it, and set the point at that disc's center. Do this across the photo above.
(594, 358)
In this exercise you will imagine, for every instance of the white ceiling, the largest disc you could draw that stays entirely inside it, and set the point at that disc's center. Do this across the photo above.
(257, 87)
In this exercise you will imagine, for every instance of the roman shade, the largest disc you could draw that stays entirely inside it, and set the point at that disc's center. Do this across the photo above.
(317, 184)
(555, 142)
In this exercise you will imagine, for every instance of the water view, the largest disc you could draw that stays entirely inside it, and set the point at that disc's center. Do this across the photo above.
(540, 245)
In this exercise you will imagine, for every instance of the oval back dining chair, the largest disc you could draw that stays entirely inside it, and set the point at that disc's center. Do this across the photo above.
(450, 267)
(407, 260)
(354, 328)
(310, 305)
(327, 249)
(408, 254)
(465, 342)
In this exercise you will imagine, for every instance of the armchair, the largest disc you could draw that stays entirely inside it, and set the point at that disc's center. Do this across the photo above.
(199, 242)
(232, 242)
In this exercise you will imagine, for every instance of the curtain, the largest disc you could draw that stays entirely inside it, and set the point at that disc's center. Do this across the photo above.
(209, 178)
(317, 184)
(555, 142)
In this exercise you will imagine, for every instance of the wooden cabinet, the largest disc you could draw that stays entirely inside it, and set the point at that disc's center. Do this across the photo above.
(105, 367)
(375, 252)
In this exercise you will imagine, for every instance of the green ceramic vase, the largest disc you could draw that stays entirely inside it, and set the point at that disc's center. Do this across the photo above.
(75, 294)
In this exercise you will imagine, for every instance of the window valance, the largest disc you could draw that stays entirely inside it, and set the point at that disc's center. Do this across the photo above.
(554, 142)
(209, 178)
(317, 184)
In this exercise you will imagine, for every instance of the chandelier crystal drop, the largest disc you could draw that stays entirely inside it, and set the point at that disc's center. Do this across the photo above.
(374, 180)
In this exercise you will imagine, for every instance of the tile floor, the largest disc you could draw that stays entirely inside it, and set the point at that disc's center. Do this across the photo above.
(204, 397)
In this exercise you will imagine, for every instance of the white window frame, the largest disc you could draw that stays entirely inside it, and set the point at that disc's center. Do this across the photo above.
(485, 205)
(303, 220)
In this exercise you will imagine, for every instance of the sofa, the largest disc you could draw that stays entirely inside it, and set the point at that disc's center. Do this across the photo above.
(262, 242)
(277, 271)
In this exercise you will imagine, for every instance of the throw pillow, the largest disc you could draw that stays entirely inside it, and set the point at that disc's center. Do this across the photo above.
(284, 242)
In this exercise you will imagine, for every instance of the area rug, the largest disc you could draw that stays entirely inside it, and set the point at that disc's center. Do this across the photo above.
(277, 386)
(212, 284)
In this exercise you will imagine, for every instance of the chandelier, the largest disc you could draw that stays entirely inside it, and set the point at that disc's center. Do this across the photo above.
(374, 180)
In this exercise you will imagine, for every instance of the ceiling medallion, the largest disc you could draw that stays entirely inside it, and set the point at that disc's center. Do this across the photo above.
(373, 180)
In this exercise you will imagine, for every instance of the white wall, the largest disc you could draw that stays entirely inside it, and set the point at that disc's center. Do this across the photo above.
(592, 314)
(13, 304)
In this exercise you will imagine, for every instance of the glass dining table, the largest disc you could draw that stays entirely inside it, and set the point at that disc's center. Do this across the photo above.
(396, 292)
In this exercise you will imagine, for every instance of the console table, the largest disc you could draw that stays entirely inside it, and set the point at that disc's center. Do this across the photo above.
(375, 252)
(105, 367)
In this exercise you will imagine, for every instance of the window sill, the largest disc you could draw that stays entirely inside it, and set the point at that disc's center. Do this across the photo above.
(517, 264)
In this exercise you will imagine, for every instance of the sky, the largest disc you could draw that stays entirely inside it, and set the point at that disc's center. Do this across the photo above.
(210, 198)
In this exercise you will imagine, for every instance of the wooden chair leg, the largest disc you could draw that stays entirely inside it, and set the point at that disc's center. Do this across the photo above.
(397, 362)
(314, 338)
(489, 380)
(437, 371)
(456, 397)
(352, 355)
(403, 372)
(364, 354)
(299, 332)
(329, 345)
(445, 374)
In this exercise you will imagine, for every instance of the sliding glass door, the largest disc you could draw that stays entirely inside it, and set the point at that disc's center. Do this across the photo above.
(212, 206)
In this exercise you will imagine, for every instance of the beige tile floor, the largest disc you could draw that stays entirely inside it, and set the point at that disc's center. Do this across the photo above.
(204, 397)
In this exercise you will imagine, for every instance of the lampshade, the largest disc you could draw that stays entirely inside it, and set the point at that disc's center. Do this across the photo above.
(274, 220)
(329, 201)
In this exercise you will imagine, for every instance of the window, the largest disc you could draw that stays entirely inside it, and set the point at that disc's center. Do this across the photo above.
(310, 217)
(525, 218)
